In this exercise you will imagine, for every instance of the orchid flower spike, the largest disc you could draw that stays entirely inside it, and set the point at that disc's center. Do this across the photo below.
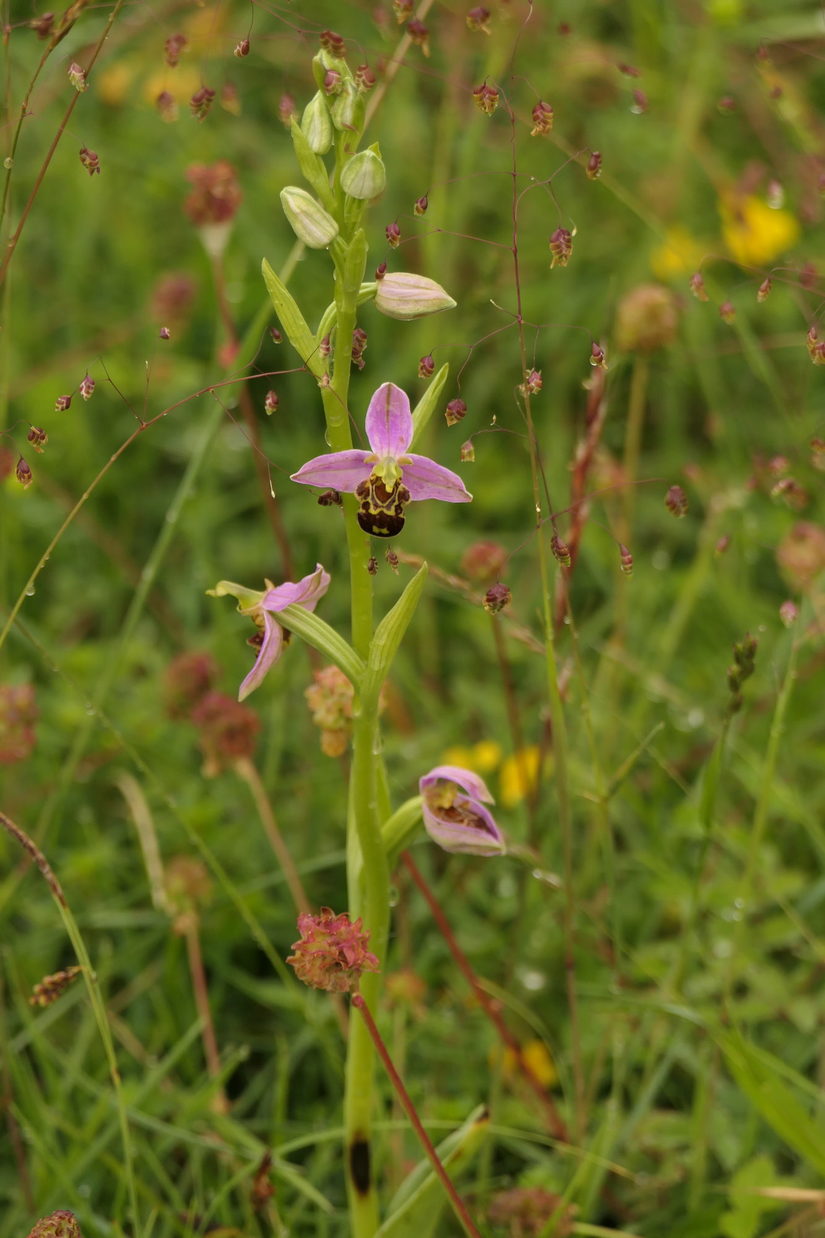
(262, 607)
(454, 812)
(386, 478)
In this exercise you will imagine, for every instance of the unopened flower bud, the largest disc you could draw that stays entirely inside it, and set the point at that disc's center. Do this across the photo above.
(364, 177)
(174, 45)
(87, 387)
(43, 25)
(241, 49)
(478, 20)
(62, 403)
(496, 598)
(167, 106)
(420, 205)
(676, 501)
(426, 366)
(467, 452)
(763, 291)
(23, 473)
(77, 77)
(271, 402)
(275, 335)
(307, 218)
(486, 98)
(594, 166)
(788, 613)
(646, 319)
(316, 124)
(561, 247)
(286, 109)
(455, 411)
(332, 952)
(380, 271)
(403, 10)
(404, 295)
(333, 43)
(333, 83)
(419, 34)
(364, 78)
(90, 160)
(815, 346)
(640, 104)
(164, 333)
(393, 235)
(560, 551)
(201, 102)
(542, 115)
(727, 311)
(697, 287)
(598, 356)
(625, 560)
(38, 438)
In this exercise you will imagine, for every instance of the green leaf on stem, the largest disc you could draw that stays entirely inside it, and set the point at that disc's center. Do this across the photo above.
(397, 830)
(292, 320)
(325, 639)
(416, 1206)
(390, 632)
(426, 406)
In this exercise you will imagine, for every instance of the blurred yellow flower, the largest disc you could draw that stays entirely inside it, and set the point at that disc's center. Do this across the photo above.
(535, 1055)
(518, 776)
(480, 758)
(679, 253)
(754, 232)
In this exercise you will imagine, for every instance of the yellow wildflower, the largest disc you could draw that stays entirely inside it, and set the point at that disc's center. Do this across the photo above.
(754, 232)
(534, 1054)
(679, 253)
(481, 758)
(519, 774)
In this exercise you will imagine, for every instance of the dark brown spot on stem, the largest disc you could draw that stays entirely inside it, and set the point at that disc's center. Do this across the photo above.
(359, 1165)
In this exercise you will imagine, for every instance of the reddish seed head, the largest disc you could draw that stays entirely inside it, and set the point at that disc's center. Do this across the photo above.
(426, 366)
(242, 48)
(38, 438)
(788, 613)
(496, 598)
(764, 289)
(77, 77)
(18, 714)
(722, 545)
(727, 311)
(639, 102)
(228, 731)
(359, 344)
(47, 991)
(455, 411)
(542, 115)
(333, 83)
(467, 452)
(23, 473)
(330, 699)
(403, 10)
(625, 560)
(393, 234)
(594, 166)
(726, 104)
(286, 109)
(164, 333)
(486, 98)
(697, 287)
(532, 384)
(271, 403)
(478, 19)
(419, 34)
(90, 160)
(598, 356)
(42, 26)
(325, 347)
(332, 952)
(483, 562)
(173, 46)
(87, 387)
(364, 78)
(333, 43)
(628, 70)
(62, 1224)
(561, 247)
(676, 501)
(420, 205)
(62, 403)
(275, 335)
(187, 680)
(808, 275)
(216, 194)
(201, 102)
(167, 107)
(380, 271)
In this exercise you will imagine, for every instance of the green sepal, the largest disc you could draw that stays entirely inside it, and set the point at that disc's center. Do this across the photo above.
(292, 320)
(425, 407)
(313, 168)
(247, 599)
(347, 109)
(397, 830)
(415, 1208)
(389, 634)
(325, 639)
(366, 292)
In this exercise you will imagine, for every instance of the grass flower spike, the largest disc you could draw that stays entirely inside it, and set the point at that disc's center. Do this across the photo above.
(454, 812)
(262, 607)
(385, 478)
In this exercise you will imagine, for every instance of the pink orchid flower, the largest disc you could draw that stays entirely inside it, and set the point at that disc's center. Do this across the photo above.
(454, 812)
(386, 478)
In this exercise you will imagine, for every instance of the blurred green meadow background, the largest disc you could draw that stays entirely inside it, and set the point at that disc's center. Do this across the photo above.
(690, 926)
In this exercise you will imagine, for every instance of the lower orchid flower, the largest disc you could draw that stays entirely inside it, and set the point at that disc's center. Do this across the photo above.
(454, 812)
(386, 478)
(262, 607)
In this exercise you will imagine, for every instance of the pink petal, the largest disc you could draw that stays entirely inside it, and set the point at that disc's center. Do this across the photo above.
(462, 838)
(337, 470)
(389, 422)
(427, 480)
(268, 655)
(475, 786)
(306, 592)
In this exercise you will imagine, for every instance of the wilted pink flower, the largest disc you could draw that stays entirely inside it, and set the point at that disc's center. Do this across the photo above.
(386, 478)
(263, 606)
(332, 953)
(228, 731)
(216, 194)
(62, 1224)
(454, 812)
(187, 680)
(18, 714)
